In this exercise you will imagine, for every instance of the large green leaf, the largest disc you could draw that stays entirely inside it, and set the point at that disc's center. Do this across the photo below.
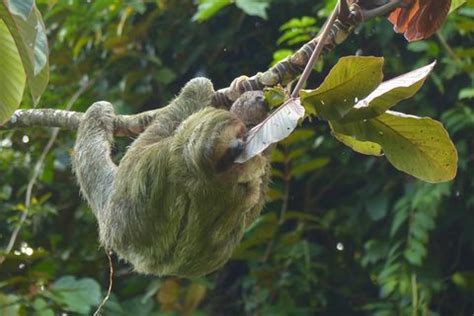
(363, 147)
(418, 146)
(12, 75)
(9, 305)
(76, 295)
(388, 94)
(27, 28)
(254, 7)
(456, 4)
(350, 80)
(208, 8)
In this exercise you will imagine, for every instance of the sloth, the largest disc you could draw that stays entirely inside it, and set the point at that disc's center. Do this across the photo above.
(176, 204)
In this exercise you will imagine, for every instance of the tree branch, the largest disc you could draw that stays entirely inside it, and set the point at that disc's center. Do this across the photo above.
(281, 73)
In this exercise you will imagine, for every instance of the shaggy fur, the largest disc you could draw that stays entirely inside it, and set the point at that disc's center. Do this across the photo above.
(176, 204)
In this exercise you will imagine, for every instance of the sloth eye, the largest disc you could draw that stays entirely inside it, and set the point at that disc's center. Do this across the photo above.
(235, 149)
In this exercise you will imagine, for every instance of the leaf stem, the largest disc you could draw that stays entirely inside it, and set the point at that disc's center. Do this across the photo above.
(317, 51)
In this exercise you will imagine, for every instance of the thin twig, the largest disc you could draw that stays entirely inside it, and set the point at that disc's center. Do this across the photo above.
(446, 46)
(98, 312)
(317, 51)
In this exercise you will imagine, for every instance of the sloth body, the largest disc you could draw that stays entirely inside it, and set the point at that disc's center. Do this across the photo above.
(176, 204)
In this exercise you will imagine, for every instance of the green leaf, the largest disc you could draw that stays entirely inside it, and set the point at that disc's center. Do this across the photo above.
(274, 96)
(388, 94)
(456, 4)
(208, 8)
(254, 7)
(464, 280)
(41, 308)
(27, 28)
(413, 257)
(9, 305)
(12, 75)
(309, 166)
(363, 147)
(466, 93)
(165, 75)
(77, 295)
(342, 87)
(299, 135)
(400, 217)
(377, 207)
(423, 220)
(418, 146)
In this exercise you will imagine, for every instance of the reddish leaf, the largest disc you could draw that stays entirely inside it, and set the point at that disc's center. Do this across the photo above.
(420, 19)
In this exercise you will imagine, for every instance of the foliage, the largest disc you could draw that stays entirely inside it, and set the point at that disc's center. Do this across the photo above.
(342, 234)
(29, 52)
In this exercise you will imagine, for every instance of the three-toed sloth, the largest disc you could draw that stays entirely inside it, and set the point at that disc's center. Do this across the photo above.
(176, 204)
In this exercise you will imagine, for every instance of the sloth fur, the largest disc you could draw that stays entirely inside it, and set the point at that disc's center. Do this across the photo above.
(176, 204)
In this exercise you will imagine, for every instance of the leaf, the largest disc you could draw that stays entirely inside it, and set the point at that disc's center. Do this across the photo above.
(10, 305)
(300, 135)
(76, 295)
(400, 217)
(12, 75)
(21, 8)
(377, 207)
(388, 94)
(274, 128)
(363, 147)
(413, 256)
(254, 7)
(466, 93)
(342, 87)
(423, 220)
(464, 280)
(309, 166)
(168, 294)
(274, 96)
(456, 4)
(421, 19)
(208, 8)
(418, 146)
(195, 293)
(27, 28)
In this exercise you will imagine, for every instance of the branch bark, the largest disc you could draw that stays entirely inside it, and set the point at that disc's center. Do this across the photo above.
(282, 73)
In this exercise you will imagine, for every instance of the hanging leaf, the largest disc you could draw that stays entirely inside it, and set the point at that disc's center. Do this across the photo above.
(195, 293)
(456, 4)
(12, 75)
(350, 80)
(420, 19)
(388, 94)
(274, 128)
(208, 8)
(77, 296)
(418, 146)
(26, 26)
(254, 7)
(363, 147)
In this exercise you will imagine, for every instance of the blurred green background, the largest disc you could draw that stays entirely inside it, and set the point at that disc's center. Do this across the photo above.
(342, 234)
